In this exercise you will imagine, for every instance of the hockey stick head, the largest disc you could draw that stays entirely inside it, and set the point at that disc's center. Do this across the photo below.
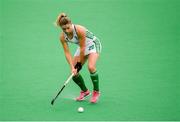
(52, 102)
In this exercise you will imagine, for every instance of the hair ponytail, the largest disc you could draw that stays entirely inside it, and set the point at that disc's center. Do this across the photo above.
(62, 19)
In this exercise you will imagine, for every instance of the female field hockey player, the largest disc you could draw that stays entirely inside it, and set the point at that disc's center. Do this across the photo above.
(88, 49)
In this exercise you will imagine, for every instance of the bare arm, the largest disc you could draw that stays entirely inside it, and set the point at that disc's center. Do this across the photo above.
(82, 37)
(66, 51)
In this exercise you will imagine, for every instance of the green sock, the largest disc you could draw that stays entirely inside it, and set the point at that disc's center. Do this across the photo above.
(80, 82)
(95, 80)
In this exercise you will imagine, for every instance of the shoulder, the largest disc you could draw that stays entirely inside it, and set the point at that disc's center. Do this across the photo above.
(80, 29)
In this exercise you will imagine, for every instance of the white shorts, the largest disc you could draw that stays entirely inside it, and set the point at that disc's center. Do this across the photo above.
(91, 47)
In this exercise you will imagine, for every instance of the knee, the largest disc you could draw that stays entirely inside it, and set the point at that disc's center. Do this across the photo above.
(91, 68)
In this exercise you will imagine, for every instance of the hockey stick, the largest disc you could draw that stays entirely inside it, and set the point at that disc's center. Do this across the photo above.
(65, 83)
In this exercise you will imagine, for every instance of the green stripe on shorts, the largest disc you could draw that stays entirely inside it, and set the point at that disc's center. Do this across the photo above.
(97, 45)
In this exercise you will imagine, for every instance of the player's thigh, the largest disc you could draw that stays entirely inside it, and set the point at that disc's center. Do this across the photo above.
(92, 59)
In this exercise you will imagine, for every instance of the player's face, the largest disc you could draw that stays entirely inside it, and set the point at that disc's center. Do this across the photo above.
(67, 28)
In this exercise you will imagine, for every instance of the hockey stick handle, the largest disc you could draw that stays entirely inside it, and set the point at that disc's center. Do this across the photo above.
(69, 78)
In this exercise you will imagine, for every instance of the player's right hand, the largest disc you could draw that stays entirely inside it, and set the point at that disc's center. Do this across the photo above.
(74, 71)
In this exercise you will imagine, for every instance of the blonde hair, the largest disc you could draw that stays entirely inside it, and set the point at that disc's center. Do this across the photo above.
(62, 19)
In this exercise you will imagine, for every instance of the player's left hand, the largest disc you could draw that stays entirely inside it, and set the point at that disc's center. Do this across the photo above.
(78, 66)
